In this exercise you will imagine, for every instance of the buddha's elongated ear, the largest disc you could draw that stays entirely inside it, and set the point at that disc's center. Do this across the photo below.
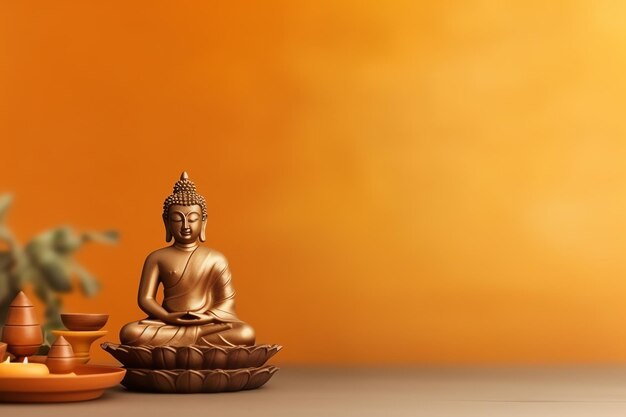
(168, 232)
(203, 231)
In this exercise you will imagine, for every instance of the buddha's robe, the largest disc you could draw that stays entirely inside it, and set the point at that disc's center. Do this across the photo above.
(204, 287)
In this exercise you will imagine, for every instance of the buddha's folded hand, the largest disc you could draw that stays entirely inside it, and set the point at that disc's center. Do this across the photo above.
(194, 319)
(173, 318)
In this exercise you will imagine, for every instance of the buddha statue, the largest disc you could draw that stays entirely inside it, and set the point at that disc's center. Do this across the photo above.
(198, 297)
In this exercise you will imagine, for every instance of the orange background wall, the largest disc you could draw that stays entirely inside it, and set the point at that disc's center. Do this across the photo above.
(392, 182)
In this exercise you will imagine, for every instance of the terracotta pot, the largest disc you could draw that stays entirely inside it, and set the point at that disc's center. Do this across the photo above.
(21, 332)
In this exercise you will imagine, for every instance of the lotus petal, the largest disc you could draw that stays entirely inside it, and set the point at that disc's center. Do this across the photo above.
(237, 358)
(163, 381)
(215, 358)
(260, 377)
(192, 381)
(215, 381)
(141, 357)
(136, 380)
(258, 355)
(189, 357)
(119, 352)
(189, 382)
(164, 357)
(238, 380)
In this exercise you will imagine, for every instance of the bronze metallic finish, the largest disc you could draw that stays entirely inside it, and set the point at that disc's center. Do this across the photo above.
(192, 381)
(193, 341)
(192, 357)
(199, 299)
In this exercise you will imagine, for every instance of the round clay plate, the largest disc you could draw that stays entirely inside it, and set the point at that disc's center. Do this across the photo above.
(88, 384)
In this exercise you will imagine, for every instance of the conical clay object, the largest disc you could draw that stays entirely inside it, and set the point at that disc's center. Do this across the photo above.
(22, 333)
(60, 357)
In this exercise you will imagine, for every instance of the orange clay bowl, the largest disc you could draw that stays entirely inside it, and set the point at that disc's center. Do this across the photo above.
(89, 383)
(81, 322)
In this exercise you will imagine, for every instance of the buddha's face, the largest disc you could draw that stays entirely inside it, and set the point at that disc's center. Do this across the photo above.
(184, 223)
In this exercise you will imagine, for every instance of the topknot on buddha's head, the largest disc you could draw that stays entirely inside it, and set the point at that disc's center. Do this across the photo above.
(184, 194)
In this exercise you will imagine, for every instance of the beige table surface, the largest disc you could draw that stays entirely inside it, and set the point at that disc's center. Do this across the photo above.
(384, 392)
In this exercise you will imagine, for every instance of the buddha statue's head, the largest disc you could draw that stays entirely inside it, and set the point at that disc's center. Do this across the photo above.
(184, 213)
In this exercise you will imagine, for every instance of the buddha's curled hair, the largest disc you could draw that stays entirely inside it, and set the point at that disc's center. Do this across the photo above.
(184, 194)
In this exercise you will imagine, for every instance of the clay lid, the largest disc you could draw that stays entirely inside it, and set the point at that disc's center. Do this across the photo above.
(61, 349)
(21, 300)
(21, 312)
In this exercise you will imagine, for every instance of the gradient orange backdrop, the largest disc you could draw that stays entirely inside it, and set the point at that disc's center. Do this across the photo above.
(392, 182)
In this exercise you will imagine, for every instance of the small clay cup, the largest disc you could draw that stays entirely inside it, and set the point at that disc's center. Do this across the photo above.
(81, 322)
(61, 357)
(3, 351)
